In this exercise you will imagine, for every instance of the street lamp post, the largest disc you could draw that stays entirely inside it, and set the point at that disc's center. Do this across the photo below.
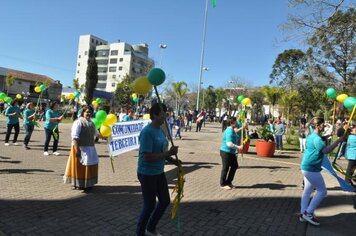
(162, 46)
(202, 53)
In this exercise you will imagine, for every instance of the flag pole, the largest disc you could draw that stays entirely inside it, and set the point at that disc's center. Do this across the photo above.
(202, 53)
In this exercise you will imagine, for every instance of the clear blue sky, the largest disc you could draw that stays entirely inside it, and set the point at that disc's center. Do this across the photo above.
(41, 36)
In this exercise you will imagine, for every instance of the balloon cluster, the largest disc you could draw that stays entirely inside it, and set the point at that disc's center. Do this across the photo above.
(143, 85)
(41, 88)
(134, 97)
(96, 102)
(349, 102)
(103, 121)
(243, 100)
(5, 98)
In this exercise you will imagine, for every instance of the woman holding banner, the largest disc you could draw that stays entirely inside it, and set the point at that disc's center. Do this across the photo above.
(311, 167)
(150, 171)
(82, 165)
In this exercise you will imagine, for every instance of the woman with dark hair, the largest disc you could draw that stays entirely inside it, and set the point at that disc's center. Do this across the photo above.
(228, 154)
(315, 149)
(28, 122)
(12, 113)
(82, 165)
(150, 171)
(53, 117)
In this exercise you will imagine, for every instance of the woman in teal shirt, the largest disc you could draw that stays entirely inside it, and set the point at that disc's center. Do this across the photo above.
(311, 166)
(51, 128)
(228, 154)
(150, 171)
(29, 124)
(13, 113)
(351, 154)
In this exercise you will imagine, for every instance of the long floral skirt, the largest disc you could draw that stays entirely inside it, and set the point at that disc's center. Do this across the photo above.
(79, 175)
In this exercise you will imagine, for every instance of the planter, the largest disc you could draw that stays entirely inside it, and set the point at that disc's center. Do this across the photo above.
(265, 149)
(245, 148)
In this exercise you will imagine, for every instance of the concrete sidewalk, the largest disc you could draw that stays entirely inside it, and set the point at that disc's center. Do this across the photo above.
(34, 201)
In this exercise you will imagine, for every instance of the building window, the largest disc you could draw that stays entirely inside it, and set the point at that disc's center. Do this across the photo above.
(92, 40)
(86, 53)
(19, 82)
(113, 85)
(114, 76)
(78, 63)
(101, 86)
(102, 62)
(114, 52)
(113, 60)
(112, 69)
(102, 53)
(120, 67)
(77, 71)
(102, 69)
(79, 56)
(102, 77)
(121, 59)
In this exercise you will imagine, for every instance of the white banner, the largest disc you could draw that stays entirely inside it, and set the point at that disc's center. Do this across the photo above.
(124, 136)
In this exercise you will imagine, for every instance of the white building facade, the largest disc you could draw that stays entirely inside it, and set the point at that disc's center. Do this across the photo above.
(115, 61)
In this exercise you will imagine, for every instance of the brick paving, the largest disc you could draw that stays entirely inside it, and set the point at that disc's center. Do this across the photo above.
(34, 200)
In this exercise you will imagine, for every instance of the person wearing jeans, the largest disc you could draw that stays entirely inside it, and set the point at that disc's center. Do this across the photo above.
(51, 128)
(351, 154)
(228, 154)
(279, 134)
(12, 113)
(150, 172)
(29, 116)
(311, 167)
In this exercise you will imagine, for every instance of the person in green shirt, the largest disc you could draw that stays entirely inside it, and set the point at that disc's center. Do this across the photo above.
(13, 113)
(53, 117)
(29, 124)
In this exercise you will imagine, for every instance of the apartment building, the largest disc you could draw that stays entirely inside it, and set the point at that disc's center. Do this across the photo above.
(115, 60)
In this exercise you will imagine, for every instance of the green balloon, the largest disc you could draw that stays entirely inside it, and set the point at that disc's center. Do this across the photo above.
(156, 76)
(7, 99)
(97, 123)
(76, 94)
(43, 87)
(331, 93)
(240, 98)
(135, 99)
(98, 100)
(101, 115)
(350, 102)
(2, 96)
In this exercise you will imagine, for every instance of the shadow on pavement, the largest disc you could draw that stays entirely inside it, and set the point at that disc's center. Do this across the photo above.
(269, 186)
(22, 171)
(11, 162)
(264, 167)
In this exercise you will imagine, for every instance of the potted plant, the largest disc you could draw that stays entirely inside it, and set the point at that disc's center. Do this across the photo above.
(265, 146)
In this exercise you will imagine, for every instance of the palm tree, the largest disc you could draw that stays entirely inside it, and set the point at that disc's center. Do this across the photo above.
(272, 95)
(289, 101)
(9, 81)
(180, 89)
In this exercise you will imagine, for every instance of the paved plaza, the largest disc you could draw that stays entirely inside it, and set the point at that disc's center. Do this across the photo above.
(34, 200)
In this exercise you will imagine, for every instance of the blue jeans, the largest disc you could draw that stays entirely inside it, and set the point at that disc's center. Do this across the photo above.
(50, 133)
(178, 133)
(29, 130)
(279, 142)
(152, 186)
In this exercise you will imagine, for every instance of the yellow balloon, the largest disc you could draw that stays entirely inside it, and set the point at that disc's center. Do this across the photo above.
(110, 119)
(146, 116)
(134, 95)
(141, 85)
(37, 89)
(70, 96)
(18, 96)
(246, 101)
(105, 131)
(341, 97)
(94, 103)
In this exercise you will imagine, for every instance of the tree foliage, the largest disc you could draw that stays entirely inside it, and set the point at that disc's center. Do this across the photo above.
(333, 45)
(210, 99)
(180, 89)
(91, 77)
(9, 81)
(272, 95)
(124, 91)
(287, 67)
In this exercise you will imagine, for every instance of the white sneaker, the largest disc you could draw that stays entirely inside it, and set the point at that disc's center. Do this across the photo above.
(16, 144)
(45, 154)
(7, 144)
(56, 153)
(148, 233)
(227, 187)
(311, 219)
